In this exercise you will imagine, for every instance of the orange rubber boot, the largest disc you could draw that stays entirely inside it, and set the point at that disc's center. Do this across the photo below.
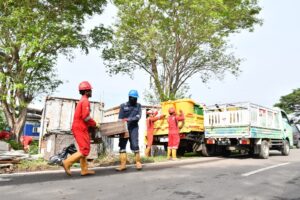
(169, 153)
(138, 163)
(70, 161)
(84, 167)
(174, 156)
(123, 160)
(147, 152)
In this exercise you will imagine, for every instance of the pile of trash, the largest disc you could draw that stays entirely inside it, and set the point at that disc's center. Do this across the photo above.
(57, 159)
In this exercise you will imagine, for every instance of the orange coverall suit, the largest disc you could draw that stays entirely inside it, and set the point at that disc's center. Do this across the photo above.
(150, 129)
(174, 138)
(81, 122)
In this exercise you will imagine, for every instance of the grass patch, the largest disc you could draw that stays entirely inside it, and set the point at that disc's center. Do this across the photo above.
(113, 159)
(103, 160)
(34, 165)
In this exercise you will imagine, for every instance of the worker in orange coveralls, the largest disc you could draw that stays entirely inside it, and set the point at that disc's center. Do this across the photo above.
(151, 119)
(81, 122)
(174, 138)
(26, 141)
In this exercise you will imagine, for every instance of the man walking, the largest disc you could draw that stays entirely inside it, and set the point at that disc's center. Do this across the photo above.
(130, 112)
(82, 121)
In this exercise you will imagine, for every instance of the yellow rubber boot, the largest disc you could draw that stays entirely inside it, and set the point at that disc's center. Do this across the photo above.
(138, 163)
(147, 152)
(169, 153)
(84, 167)
(69, 162)
(123, 160)
(174, 152)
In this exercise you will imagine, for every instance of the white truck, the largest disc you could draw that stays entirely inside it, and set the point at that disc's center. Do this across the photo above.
(246, 127)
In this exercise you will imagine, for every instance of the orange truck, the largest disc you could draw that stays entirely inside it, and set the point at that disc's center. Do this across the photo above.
(191, 130)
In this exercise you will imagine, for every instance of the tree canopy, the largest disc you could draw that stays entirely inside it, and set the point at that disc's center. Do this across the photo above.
(175, 40)
(32, 35)
(290, 103)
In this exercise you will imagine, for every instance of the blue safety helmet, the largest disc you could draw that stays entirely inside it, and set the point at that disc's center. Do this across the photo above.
(133, 93)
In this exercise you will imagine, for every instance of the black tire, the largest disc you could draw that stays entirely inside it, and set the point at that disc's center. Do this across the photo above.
(285, 150)
(251, 152)
(181, 151)
(166, 147)
(208, 150)
(264, 149)
(222, 151)
(298, 144)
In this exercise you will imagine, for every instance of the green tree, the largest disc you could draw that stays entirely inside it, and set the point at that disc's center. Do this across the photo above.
(32, 35)
(291, 102)
(3, 123)
(175, 40)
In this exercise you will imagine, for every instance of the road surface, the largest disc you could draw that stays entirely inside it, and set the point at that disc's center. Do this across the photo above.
(237, 178)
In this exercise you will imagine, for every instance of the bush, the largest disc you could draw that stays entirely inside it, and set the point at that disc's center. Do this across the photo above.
(34, 148)
(15, 145)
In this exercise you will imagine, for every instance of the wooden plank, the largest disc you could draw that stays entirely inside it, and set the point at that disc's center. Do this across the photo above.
(9, 161)
(114, 128)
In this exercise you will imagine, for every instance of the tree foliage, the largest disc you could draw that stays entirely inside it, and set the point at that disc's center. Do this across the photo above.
(291, 102)
(32, 35)
(175, 40)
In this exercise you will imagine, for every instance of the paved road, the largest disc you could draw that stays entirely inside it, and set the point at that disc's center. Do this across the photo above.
(238, 178)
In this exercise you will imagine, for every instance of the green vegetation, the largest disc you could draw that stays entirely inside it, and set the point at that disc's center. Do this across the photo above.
(173, 41)
(33, 34)
(291, 102)
(15, 145)
(3, 123)
(34, 148)
(34, 165)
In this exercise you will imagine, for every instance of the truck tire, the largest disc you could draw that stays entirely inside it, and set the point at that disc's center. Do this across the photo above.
(285, 150)
(298, 144)
(181, 151)
(264, 149)
(208, 150)
(225, 152)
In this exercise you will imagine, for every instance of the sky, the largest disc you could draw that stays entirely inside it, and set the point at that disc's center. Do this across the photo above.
(270, 69)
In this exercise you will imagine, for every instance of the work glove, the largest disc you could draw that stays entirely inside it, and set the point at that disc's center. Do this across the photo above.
(97, 125)
(162, 116)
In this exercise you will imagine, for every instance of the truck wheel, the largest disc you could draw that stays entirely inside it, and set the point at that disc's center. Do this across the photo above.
(298, 144)
(264, 149)
(285, 148)
(208, 150)
(225, 152)
(181, 151)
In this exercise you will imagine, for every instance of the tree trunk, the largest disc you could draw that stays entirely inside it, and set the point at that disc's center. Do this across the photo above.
(15, 123)
(18, 126)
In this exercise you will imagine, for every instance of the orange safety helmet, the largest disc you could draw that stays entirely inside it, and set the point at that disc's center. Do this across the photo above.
(85, 85)
(171, 110)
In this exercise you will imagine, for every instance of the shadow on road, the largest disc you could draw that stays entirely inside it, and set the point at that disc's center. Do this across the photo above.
(100, 172)
(16, 179)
